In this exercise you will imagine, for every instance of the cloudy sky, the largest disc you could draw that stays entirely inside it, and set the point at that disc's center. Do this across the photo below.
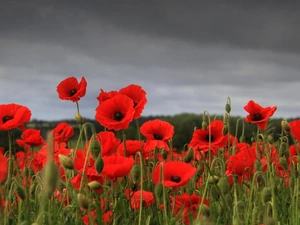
(189, 56)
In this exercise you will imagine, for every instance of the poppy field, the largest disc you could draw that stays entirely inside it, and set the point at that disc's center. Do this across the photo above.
(216, 178)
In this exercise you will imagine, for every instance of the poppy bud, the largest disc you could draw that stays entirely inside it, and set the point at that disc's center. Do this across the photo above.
(225, 130)
(51, 176)
(33, 188)
(266, 195)
(189, 156)
(213, 179)
(79, 118)
(135, 173)
(21, 192)
(204, 125)
(285, 126)
(66, 162)
(60, 185)
(227, 108)
(159, 191)
(94, 185)
(270, 139)
(99, 164)
(94, 148)
(242, 138)
(283, 163)
(83, 201)
(257, 165)
(224, 185)
(164, 153)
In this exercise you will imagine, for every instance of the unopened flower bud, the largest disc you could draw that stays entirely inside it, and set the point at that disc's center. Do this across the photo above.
(266, 195)
(224, 185)
(21, 192)
(283, 163)
(66, 162)
(99, 164)
(79, 118)
(94, 148)
(94, 185)
(189, 156)
(83, 201)
(135, 173)
(159, 191)
(60, 185)
(51, 177)
(257, 165)
(204, 125)
(242, 139)
(285, 126)
(213, 179)
(228, 108)
(164, 153)
(225, 130)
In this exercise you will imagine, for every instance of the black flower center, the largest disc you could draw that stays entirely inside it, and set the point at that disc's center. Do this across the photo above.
(257, 117)
(118, 116)
(211, 138)
(7, 118)
(73, 92)
(175, 179)
(157, 136)
(134, 104)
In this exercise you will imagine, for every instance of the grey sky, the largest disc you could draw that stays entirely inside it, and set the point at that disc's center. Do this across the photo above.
(189, 56)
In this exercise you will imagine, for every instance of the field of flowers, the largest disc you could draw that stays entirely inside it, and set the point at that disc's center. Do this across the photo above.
(216, 178)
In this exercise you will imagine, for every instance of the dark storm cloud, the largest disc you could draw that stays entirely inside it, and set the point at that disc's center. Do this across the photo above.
(188, 56)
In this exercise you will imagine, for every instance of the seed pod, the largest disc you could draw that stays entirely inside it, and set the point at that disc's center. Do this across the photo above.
(94, 185)
(66, 162)
(135, 173)
(83, 201)
(79, 118)
(224, 185)
(266, 195)
(94, 148)
(99, 164)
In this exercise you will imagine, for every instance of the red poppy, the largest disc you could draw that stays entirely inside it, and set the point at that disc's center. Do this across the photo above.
(62, 132)
(116, 166)
(31, 137)
(258, 115)
(138, 95)
(32, 160)
(108, 142)
(3, 168)
(295, 129)
(157, 133)
(106, 95)
(188, 205)
(200, 139)
(132, 147)
(70, 89)
(13, 116)
(176, 174)
(135, 198)
(107, 218)
(115, 113)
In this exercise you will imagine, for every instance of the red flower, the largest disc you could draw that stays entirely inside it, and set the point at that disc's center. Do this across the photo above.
(107, 218)
(157, 133)
(13, 116)
(200, 139)
(70, 89)
(116, 166)
(115, 113)
(138, 95)
(147, 196)
(31, 137)
(108, 142)
(176, 174)
(3, 168)
(132, 147)
(62, 132)
(106, 95)
(295, 129)
(258, 115)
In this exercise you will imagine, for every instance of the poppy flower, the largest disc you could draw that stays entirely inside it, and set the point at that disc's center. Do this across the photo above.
(3, 167)
(258, 115)
(200, 139)
(138, 95)
(295, 129)
(132, 147)
(107, 217)
(116, 166)
(115, 113)
(157, 134)
(69, 89)
(135, 198)
(106, 95)
(32, 160)
(176, 174)
(31, 137)
(13, 116)
(62, 132)
(188, 204)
